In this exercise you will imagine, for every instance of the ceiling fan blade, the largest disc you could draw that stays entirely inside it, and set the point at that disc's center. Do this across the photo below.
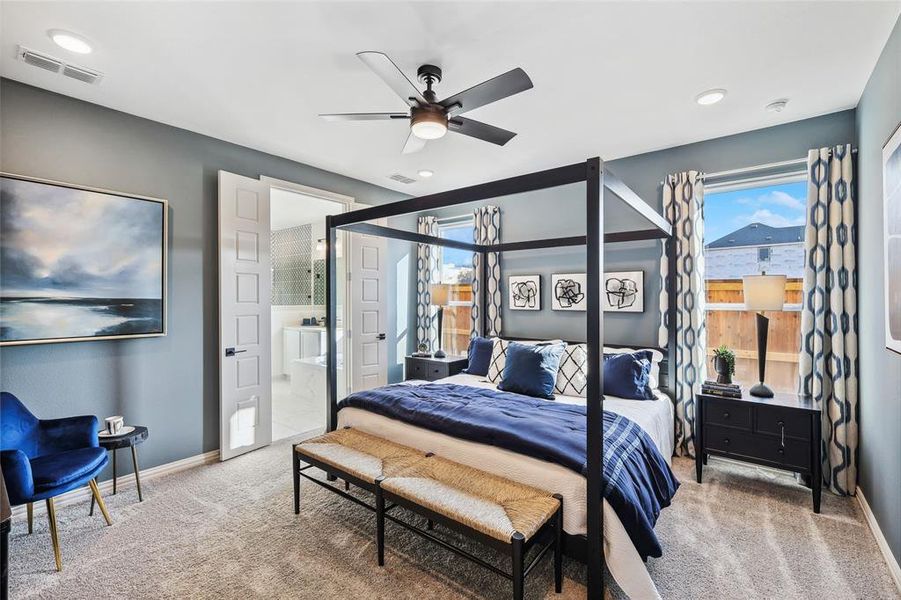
(385, 68)
(364, 116)
(502, 86)
(414, 144)
(479, 130)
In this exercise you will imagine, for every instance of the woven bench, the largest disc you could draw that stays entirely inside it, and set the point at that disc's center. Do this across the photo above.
(505, 515)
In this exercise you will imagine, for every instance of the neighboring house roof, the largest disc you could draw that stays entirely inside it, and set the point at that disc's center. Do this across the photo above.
(758, 234)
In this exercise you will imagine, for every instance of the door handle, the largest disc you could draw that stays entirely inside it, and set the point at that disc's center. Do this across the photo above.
(382, 336)
(232, 351)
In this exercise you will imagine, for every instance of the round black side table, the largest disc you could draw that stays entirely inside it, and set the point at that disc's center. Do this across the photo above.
(126, 440)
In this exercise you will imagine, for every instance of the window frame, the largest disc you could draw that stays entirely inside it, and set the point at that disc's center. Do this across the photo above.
(443, 225)
(750, 183)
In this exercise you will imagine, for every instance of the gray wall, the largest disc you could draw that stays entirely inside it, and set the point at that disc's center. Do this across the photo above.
(878, 113)
(559, 212)
(170, 383)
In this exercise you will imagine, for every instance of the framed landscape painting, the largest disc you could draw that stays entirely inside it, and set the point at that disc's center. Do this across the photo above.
(891, 198)
(79, 263)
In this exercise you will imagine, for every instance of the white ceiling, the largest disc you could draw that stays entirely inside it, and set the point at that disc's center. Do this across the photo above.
(611, 79)
(290, 209)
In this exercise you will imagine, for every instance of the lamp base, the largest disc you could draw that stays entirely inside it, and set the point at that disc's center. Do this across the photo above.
(440, 354)
(761, 391)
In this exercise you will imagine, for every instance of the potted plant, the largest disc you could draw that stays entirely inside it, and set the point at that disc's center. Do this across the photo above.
(724, 364)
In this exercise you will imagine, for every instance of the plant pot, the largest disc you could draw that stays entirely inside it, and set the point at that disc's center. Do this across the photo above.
(722, 370)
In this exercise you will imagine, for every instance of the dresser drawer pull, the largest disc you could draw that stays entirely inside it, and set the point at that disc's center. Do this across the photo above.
(726, 414)
(782, 428)
(726, 441)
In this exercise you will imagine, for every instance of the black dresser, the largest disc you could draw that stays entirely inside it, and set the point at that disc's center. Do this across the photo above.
(431, 369)
(782, 432)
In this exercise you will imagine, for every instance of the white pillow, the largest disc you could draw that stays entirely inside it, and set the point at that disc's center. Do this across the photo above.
(572, 378)
(499, 356)
(656, 358)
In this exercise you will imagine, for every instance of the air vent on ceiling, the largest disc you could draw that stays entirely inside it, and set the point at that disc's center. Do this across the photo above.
(401, 178)
(55, 65)
(42, 61)
(82, 74)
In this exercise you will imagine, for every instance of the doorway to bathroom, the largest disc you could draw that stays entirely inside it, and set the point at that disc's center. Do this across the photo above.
(298, 340)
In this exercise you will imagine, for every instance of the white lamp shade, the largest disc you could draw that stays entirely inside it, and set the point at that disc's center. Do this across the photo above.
(764, 292)
(440, 293)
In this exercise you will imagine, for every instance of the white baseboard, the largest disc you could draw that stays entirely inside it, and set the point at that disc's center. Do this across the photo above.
(893, 566)
(125, 481)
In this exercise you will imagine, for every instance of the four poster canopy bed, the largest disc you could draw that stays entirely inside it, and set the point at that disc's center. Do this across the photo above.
(606, 460)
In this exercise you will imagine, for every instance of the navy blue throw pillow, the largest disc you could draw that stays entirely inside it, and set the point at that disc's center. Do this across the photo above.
(479, 356)
(628, 375)
(532, 370)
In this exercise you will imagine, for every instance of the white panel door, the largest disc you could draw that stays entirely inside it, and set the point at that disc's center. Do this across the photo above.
(245, 386)
(369, 305)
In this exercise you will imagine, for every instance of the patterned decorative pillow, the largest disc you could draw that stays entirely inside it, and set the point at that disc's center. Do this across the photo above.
(572, 377)
(499, 356)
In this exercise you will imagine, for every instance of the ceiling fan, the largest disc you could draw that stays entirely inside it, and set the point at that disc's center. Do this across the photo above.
(431, 118)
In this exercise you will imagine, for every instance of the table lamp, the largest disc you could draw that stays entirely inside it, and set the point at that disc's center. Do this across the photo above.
(763, 292)
(439, 292)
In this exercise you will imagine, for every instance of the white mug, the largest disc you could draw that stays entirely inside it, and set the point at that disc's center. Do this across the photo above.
(114, 424)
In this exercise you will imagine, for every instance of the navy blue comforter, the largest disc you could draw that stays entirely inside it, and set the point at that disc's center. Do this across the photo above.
(637, 481)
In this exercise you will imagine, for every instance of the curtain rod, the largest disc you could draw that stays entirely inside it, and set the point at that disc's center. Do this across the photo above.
(752, 169)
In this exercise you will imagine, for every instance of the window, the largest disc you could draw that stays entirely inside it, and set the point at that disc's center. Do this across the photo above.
(456, 269)
(748, 231)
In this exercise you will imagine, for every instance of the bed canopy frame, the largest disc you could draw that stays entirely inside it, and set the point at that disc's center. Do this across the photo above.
(599, 181)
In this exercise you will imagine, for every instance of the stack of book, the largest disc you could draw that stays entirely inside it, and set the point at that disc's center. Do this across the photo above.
(726, 390)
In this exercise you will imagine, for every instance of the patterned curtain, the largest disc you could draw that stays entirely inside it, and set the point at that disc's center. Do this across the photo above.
(683, 206)
(486, 230)
(427, 267)
(829, 364)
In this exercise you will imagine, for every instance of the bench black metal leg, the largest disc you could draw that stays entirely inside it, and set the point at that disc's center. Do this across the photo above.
(517, 541)
(430, 524)
(346, 486)
(558, 546)
(295, 461)
(380, 522)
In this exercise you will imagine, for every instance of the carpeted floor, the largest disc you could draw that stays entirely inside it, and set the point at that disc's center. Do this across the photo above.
(228, 531)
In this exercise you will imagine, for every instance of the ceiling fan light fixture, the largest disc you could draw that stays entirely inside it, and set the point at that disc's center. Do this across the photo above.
(428, 124)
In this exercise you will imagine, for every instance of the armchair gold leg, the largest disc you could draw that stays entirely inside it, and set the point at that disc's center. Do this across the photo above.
(96, 491)
(54, 536)
(30, 509)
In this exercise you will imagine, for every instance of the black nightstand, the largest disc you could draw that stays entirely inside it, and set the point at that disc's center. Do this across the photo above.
(782, 432)
(430, 368)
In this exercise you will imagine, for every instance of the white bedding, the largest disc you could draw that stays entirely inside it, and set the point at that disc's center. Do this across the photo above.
(654, 416)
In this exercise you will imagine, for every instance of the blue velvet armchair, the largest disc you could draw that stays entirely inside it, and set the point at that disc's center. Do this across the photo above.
(42, 459)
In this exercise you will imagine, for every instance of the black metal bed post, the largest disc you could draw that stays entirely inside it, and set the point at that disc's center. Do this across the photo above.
(670, 246)
(594, 249)
(483, 290)
(331, 324)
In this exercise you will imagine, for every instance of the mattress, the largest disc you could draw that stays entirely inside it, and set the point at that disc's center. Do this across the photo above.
(654, 416)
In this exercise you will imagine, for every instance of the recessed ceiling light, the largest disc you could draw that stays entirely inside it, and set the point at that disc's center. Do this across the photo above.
(426, 173)
(710, 97)
(70, 41)
(777, 105)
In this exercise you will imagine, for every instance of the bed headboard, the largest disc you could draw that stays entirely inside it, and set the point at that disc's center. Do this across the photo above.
(664, 364)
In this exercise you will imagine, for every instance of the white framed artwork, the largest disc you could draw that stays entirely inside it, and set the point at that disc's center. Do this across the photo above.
(524, 292)
(624, 291)
(568, 291)
(891, 190)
